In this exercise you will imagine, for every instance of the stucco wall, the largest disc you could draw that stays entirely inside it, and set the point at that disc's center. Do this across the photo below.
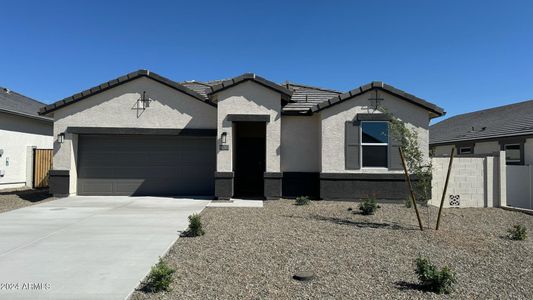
(528, 152)
(486, 147)
(300, 143)
(249, 98)
(479, 148)
(334, 118)
(16, 135)
(444, 150)
(117, 108)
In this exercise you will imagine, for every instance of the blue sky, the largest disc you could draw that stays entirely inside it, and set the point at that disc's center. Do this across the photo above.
(461, 55)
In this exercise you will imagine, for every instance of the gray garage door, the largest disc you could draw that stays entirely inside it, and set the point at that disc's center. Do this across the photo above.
(146, 165)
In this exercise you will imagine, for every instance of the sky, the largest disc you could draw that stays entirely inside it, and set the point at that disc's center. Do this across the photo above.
(460, 55)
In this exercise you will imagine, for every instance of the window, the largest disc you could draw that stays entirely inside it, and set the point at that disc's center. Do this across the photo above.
(465, 150)
(513, 154)
(374, 144)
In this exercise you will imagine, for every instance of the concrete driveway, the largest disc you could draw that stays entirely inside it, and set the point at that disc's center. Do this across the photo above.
(87, 247)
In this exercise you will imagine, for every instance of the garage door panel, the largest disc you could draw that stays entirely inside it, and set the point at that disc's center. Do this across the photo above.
(146, 165)
(129, 172)
(103, 187)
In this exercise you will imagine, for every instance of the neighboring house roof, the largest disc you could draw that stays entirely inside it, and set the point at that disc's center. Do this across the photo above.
(121, 80)
(220, 86)
(437, 111)
(503, 121)
(15, 103)
(299, 98)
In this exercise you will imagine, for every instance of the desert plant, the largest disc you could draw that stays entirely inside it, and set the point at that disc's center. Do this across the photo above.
(432, 279)
(195, 226)
(302, 200)
(517, 232)
(159, 278)
(369, 206)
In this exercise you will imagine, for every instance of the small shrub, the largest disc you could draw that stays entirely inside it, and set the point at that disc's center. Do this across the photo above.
(159, 278)
(369, 206)
(517, 233)
(433, 279)
(195, 226)
(302, 200)
(408, 202)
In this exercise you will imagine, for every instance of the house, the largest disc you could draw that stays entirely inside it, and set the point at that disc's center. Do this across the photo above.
(143, 134)
(506, 128)
(21, 130)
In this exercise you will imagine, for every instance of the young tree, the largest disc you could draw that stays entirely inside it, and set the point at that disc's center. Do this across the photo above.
(414, 160)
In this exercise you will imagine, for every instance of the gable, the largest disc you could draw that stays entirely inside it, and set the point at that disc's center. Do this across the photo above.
(117, 82)
(348, 109)
(431, 108)
(334, 130)
(249, 97)
(119, 107)
(250, 77)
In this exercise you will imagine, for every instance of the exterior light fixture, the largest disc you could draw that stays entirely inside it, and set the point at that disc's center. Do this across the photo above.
(61, 138)
(223, 137)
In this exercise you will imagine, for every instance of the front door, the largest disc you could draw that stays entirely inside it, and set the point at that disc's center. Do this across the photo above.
(250, 149)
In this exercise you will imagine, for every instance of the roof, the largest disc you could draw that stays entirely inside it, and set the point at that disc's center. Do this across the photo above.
(18, 104)
(121, 80)
(197, 86)
(434, 109)
(220, 86)
(503, 121)
(305, 97)
(299, 99)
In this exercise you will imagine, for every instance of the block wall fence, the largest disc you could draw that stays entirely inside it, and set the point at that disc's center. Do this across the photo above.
(475, 181)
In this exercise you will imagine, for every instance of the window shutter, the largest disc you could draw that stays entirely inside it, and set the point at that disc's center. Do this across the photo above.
(395, 161)
(351, 145)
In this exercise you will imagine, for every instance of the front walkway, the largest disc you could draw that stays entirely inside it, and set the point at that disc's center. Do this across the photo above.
(237, 203)
(87, 247)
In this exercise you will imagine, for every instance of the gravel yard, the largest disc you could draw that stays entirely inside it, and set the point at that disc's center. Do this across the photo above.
(252, 253)
(17, 198)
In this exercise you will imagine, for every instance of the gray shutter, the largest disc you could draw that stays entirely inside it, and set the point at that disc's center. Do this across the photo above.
(395, 162)
(351, 145)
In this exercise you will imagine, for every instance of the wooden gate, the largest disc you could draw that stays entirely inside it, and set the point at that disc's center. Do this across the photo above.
(42, 164)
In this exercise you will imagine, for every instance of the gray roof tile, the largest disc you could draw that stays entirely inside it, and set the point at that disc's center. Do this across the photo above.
(299, 98)
(304, 97)
(120, 80)
(197, 86)
(285, 93)
(508, 120)
(13, 102)
(434, 109)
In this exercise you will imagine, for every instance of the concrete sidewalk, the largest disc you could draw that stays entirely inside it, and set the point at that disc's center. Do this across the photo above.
(87, 247)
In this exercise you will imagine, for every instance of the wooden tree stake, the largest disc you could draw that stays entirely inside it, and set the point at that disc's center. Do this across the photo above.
(445, 187)
(413, 198)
